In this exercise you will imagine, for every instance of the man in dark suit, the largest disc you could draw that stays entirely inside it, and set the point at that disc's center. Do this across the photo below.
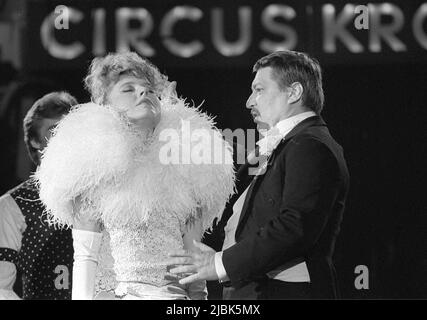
(281, 237)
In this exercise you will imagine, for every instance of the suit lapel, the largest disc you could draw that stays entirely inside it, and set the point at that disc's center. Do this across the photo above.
(246, 204)
(312, 121)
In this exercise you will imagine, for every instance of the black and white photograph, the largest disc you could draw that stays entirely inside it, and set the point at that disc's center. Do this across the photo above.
(231, 151)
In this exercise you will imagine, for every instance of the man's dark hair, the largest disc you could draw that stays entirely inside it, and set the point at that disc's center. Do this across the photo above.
(291, 66)
(51, 106)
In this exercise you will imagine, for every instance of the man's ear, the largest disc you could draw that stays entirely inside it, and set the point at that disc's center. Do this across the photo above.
(295, 92)
(35, 144)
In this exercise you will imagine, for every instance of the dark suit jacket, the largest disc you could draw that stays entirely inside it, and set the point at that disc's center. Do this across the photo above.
(293, 211)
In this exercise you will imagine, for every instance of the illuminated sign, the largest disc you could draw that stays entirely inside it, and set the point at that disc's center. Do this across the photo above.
(228, 33)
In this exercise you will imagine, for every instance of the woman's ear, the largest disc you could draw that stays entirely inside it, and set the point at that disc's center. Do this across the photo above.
(295, 92)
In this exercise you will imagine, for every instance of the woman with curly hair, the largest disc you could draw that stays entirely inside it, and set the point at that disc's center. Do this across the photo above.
(112, 173)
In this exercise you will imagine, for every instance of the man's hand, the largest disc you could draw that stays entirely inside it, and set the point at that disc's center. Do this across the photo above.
(200, 265)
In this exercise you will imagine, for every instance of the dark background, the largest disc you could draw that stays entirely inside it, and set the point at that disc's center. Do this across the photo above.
(375, 108)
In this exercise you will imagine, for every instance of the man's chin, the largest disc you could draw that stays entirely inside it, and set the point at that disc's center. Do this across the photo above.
(261, 126)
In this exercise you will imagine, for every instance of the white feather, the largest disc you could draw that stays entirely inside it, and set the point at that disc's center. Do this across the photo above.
(95, 155)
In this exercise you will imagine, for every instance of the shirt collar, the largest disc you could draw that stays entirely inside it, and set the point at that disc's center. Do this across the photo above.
(274, 135)
(286, 125)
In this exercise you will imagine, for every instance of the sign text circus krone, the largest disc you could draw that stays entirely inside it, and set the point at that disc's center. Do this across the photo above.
(191, 31)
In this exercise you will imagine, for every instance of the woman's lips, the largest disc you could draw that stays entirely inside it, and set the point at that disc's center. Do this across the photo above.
(145, 105)
(144, 102)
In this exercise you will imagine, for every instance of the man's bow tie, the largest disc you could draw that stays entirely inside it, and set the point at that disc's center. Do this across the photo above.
(270, 141)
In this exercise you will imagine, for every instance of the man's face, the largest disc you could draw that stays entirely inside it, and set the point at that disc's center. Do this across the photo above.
(137, 100)
(268, 102)
(45, 132)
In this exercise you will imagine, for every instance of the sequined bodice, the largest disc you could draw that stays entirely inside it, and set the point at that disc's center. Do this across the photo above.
(140, 251)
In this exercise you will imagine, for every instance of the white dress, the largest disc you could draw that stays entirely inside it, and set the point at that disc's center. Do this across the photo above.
(132, 262)
(125, 182)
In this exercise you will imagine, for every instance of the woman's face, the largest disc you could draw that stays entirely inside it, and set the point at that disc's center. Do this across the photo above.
(135, 98)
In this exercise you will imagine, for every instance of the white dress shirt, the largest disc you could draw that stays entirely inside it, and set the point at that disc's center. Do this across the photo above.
(296, 273)
(12, 226)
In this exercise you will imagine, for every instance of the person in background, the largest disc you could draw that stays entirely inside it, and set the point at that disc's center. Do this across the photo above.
(32, 252)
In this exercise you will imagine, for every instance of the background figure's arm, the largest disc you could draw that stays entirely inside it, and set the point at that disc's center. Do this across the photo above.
(194, 231)
(86, 242)
(7, 274)
(12, 225)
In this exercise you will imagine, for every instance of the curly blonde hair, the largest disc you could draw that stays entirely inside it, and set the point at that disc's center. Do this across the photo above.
(105, 72)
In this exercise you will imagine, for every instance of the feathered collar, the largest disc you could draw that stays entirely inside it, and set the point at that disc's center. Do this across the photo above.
(119, 177)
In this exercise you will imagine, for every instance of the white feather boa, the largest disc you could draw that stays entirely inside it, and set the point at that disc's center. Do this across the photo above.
(96, 156)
